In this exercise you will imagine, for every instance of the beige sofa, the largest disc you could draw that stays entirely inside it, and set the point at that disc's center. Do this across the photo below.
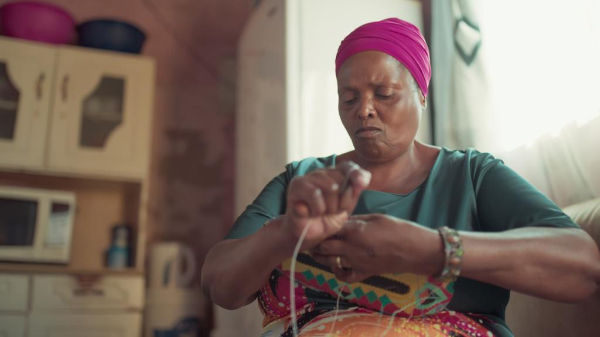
(532, 317)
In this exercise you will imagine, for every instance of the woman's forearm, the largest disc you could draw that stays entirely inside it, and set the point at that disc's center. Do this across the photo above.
(556, 264)
(235, 270)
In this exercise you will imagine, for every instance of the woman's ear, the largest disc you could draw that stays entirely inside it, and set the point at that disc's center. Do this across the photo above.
(422, 100)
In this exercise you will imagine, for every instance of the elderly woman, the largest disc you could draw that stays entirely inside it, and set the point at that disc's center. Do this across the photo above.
(397, 237)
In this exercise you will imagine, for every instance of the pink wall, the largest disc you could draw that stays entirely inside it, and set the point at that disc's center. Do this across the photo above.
(191, 196)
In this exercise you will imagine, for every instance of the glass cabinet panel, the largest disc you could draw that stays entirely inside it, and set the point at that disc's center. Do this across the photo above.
(9, 103)
(102, 127)
(102, 112)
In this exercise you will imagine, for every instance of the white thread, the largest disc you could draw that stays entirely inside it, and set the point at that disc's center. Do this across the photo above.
(337, 306)
(292, 280)
(293, 269)
(380, 316)
(337, 310)
(293, 295)
(294, 316)
(391, 322)
(416, 301)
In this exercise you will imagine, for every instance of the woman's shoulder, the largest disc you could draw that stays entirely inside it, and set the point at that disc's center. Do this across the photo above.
(301, 167)
(469, 162)
(472, 157)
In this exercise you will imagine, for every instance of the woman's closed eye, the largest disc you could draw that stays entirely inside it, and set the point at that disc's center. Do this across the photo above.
(384, 97)
(384, 94)
(350, 100)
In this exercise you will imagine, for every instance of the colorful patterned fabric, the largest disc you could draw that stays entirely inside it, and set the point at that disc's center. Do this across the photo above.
(357, 322)
(402, 295)
(397, 305)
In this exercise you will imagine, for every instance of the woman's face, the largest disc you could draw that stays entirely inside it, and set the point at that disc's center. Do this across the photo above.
(379, 104)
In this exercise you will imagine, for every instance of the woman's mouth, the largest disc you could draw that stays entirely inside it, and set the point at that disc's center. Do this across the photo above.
(367, 132)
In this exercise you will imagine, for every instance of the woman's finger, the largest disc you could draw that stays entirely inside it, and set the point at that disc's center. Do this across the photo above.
(353, 226)
(331, 247)
(333, 223)
(359, 218)
(334, 262)
(302, 191)
(347, 200)
(359, 179)
(345, 275)
(330, 187)
(301, 209)
(346, 168)
(356, 180)
(322, 259)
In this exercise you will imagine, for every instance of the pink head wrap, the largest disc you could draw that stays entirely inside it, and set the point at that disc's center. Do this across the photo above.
(395, 37)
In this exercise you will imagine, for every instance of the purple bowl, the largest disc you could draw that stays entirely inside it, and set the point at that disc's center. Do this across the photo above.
(37, 21)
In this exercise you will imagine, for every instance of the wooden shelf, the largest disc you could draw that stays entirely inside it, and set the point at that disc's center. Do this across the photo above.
(45, 172)
(100, 206)
(63, 269)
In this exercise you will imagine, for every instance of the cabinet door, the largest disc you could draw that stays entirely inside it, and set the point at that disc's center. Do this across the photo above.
(12, 325)
(101, 113)
(109, 292)
(26, 74)
(115, 324)
(14, 289)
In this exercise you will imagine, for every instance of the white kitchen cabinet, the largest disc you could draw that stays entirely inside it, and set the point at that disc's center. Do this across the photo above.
(85, 325)
(101, 113)
(26, 79)
(14, 290)
(108, 292)
(73, 110)
(106, 306)
(12, 325)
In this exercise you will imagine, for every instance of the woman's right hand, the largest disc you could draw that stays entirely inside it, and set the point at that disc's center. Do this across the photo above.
(323, 199)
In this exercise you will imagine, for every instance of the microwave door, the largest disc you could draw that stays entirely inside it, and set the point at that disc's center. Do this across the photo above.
(58, 230)
(53, 240)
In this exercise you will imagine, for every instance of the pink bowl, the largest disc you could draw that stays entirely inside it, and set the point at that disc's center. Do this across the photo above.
(37, 21)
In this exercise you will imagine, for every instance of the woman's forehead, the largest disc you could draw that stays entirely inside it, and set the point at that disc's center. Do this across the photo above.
(370, 67)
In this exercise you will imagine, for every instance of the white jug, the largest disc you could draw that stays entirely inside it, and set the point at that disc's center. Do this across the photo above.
(172, 265)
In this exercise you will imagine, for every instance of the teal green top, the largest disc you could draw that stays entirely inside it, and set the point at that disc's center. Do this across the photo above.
(466, 190)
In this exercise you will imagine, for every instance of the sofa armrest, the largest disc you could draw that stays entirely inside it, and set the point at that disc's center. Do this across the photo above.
(587, 215)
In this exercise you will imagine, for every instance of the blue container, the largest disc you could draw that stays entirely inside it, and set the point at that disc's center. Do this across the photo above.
(111, 35)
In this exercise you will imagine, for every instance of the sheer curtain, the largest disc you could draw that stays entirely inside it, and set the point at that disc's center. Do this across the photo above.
(537, 102)
(460, 81)
(545, 93)
(543, 63)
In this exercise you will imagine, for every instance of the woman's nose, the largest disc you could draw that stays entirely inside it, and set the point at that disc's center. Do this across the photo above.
(366, 110)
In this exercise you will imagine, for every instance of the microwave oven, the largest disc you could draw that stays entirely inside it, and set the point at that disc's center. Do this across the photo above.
(36, 224)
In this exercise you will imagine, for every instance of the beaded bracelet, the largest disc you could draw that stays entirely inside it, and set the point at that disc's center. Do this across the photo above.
(453, 250)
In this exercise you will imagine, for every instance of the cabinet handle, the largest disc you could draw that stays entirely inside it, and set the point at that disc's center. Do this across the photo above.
(64, 87)
(84, 292)
(39, 86)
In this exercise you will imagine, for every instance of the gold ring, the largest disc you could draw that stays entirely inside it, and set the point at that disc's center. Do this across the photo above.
(338, 260)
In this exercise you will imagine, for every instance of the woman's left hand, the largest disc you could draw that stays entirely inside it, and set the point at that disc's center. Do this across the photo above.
(376, 244)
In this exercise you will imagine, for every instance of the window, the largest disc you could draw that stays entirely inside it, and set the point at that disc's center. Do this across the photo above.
(543, 60)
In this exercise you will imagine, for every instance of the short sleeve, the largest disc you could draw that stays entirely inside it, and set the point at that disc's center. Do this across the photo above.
(507, 201)
(269, 204)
